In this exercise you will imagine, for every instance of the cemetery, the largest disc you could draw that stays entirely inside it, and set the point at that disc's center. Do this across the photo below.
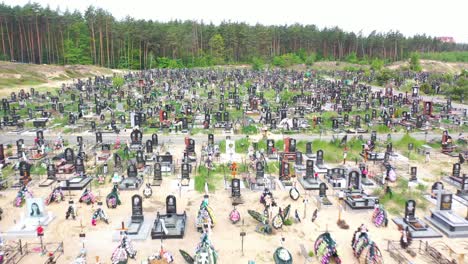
(169, 154)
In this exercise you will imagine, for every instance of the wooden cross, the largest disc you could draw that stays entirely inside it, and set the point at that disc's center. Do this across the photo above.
(122, 229)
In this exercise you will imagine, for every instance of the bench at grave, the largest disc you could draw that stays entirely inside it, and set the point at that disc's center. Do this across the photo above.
(169, 225)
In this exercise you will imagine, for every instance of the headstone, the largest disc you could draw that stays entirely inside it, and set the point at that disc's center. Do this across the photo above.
(309, 169)
(137, 209)
(149, 146)
(51, 172)
(319, 157)
(79, 166)
(410, 210)
(235, 188)
(354, 180)
(132, 171)
(322, 190)
(69, 156)
(414, 174)
(171, 205)
(260, 171)
(456, 170)
(157, 174)
(98, 137)
(154, 139)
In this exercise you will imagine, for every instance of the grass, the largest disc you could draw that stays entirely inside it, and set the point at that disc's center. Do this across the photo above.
(401, 193)
(212, 177)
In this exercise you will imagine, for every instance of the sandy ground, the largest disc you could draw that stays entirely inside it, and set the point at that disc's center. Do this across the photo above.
(225, 236)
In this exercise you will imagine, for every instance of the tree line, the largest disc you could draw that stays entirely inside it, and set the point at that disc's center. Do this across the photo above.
(36, 34)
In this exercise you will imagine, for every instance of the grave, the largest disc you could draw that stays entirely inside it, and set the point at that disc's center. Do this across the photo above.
(417, 227)
(355, 197)
(166, 162)
(309, 181)
(261, 180)
(133, 181)
(456, 178)
(138, 227)
(322, 196)
(336, 177)
(169, 225)
(444, 219)
(51, 176)
(34, 215)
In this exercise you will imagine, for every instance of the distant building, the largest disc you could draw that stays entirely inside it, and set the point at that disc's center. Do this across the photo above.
(446, 39)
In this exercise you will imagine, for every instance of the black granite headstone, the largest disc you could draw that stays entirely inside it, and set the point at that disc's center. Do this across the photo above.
(322, 189)
(235, 188)
(319, 157)
(171, 205)
(410, 210)
(137, 209)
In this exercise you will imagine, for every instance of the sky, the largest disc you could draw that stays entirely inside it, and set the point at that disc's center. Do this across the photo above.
(410, 17)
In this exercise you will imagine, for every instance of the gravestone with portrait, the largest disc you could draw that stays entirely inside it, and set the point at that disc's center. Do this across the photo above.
(462, 192)
(169, 225)
(133, 181)
(417, 227)
(445, 219)
(26, 224)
